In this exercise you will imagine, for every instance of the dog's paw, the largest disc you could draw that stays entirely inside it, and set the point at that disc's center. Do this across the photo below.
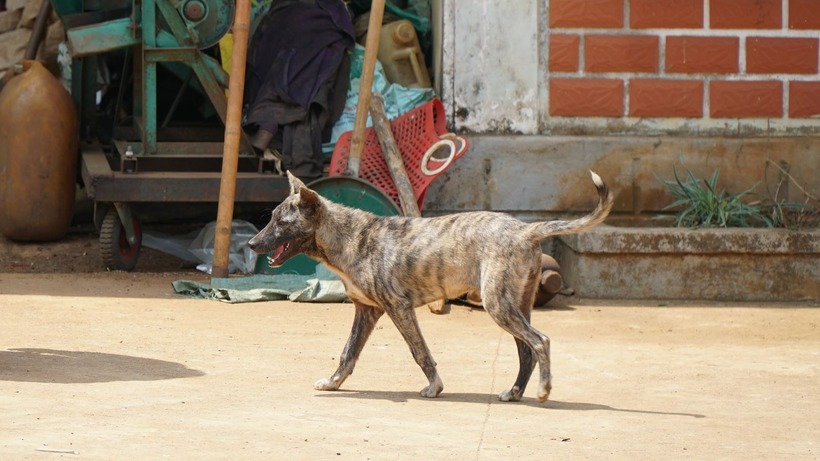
(433, 390)
(325, 384)
(544, 394)
(512, 395)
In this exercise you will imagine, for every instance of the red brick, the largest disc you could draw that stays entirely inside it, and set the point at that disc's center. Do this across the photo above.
(772, 55)
(666, 98)
(564, 53)
(621, 53)
(746, 99)
(704, 55)
(745, 14)
(667, 14)
(804, 99)
(587, 13)
(586, 97)
(804, 14)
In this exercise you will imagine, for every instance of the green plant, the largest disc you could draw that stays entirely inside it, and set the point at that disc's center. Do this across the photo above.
(701, 204)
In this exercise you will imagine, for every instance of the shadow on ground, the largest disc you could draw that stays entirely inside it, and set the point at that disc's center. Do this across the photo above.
(400, 397)
(66, 367)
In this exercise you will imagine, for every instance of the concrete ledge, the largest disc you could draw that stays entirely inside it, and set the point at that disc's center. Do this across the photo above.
(539, 177)
(706, 264)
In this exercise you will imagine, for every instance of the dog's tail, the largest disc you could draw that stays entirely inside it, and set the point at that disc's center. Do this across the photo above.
(541, 230)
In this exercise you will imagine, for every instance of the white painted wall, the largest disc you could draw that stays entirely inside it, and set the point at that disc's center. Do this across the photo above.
(492, 68)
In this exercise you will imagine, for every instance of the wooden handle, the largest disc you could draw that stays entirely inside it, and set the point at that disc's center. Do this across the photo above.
(371, 51)
(392, 156)
(40, 26)
(233, 134)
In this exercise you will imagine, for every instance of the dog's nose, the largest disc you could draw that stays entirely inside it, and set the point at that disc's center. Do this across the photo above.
(252, 243)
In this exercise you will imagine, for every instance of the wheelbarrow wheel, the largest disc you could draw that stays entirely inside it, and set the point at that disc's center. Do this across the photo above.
(117, 254)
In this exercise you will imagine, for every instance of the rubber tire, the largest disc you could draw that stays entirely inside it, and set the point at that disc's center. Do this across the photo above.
(117, 254)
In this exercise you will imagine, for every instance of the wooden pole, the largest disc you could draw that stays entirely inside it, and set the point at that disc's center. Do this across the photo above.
(371, 51)
(392, 156)
(233, 136)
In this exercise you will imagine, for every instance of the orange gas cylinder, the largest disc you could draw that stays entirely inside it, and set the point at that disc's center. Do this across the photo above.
(38, 156)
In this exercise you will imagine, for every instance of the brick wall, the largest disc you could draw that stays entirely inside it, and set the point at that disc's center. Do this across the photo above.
(684, 64)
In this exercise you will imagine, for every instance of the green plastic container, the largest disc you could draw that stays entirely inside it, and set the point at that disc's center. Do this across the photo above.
(346, 190)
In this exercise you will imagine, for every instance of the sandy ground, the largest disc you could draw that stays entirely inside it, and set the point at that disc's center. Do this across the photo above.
(108, 365)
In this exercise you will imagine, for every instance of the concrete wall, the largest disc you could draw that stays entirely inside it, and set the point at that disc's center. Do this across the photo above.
(541, 176)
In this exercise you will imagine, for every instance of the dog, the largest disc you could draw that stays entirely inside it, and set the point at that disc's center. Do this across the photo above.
(394, 264)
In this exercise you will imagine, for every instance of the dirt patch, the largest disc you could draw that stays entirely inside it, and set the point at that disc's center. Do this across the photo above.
(78, 251)
(114, 365)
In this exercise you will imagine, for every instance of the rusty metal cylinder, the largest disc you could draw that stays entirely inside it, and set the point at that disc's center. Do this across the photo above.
(550, 282)
(38, 156)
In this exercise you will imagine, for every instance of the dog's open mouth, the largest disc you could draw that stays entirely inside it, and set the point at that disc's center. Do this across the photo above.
(276, 258)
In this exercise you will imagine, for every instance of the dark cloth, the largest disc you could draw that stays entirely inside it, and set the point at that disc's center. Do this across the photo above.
(297, 77)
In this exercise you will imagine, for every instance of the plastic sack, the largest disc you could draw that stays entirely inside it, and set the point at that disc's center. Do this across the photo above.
(397, 98)
(241, 257)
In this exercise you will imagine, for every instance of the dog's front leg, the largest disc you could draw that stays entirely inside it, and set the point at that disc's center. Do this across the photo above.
(404, 317)
(364, 321)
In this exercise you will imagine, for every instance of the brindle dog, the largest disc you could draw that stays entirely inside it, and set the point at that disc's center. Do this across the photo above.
(394, 264)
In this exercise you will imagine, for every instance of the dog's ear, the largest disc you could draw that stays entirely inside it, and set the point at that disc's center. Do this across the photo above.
(295, 184)
(308, 198)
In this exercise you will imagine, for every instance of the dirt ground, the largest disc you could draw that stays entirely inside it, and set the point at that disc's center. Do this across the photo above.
(111, 365)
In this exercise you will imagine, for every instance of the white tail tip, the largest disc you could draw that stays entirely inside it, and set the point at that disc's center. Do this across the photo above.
(596, 179)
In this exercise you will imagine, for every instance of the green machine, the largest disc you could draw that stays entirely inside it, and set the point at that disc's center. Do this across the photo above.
(138, 151)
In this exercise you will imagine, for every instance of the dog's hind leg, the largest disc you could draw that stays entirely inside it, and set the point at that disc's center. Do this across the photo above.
(525, 368)
(526, 362)
(364, 321)
(502, 302)
(404, 318)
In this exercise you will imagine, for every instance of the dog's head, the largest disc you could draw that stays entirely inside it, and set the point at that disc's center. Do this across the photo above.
(292, 225)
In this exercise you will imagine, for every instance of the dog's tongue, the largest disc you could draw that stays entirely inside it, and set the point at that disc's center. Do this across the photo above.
(278, 252)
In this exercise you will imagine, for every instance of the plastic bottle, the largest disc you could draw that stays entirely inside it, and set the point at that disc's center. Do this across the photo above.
(401, 56)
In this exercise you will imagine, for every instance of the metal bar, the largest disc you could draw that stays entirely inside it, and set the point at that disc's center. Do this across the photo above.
(101, 38)
(176, 149)
(88, 93)
(149, 108)
(127, 220)
(149, 84)
(166, 40)
(177, 99)
(176, 24)
(71, 21)
(215, 92)
(138, 86)
(109, 186)
(156, 55)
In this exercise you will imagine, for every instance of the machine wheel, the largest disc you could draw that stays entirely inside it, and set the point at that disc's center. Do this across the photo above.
(117, 254)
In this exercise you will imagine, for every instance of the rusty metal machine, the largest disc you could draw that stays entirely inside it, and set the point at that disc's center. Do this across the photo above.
(140, 150)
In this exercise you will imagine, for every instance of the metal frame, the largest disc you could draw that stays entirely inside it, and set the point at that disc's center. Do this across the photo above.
(179, 164)
(165, 164)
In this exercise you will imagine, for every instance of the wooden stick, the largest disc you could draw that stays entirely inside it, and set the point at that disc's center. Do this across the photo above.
(371, 51)
(395, 164)
(233, 134)
(40, 26)
(392, 156)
